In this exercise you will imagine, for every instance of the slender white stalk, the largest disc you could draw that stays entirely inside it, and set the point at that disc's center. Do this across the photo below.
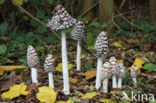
(134, 81)
(114, 81)
(34, 75)
(78, 56)
(51, 81)
(105, 85)
(65, 65)
(119, 83)
(98, 81)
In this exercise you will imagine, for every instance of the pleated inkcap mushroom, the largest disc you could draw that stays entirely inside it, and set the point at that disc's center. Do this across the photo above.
(114, 65)
(49, 64)
(78, 31)
(121, 71)
(61, 19)
(134, 71)
(32, 57)
(106, 71)
(101, 45)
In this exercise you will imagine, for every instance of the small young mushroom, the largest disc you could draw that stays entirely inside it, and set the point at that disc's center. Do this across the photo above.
(100, 51)
(121, 75)
(134, 72)
(105, 75)
(78, 34)
(33, 62)
(49, 66)
(115, 71)
(61, 20)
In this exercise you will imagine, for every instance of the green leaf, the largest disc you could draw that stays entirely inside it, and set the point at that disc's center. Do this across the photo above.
(103, 25)
(50, 1)
(33, 22)
(95, 24)
(25, 1)
(1, 1)
(40, 14)
(75, 99)
(41, 29)
(19, 2)
(34, 2)
(3, 28)
(150, 67)
(3, 49)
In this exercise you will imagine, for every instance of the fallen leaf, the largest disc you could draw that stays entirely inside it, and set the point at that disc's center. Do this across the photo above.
(117, 44)
(90, 95)
(46, 94)
(59, 67)
(90, 74)
(120, 61)
(68, 101)
(107, 101)
(138, 62)
(15, 91)
(9, 68)
(73, 80)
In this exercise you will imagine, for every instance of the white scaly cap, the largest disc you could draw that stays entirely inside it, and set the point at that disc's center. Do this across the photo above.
(78, 31)
(134, 71)
(101, 47)
(61, 19)
(32, 57)
(106, 71)
(49, 64)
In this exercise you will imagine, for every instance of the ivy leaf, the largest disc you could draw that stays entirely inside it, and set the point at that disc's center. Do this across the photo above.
(95, 24)
(40, 14)
(3, 49)
(41, 29)
(15, 91)
(46, 94)
(150, 67)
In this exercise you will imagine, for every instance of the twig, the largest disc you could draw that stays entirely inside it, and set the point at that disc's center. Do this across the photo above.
(85, 12)
(39, 21)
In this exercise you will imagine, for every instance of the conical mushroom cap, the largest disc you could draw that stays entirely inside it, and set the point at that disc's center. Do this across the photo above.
(121, 71)
(49, 64)
(101, 45)
(78, 31)
(134, 71)
(32, 57)
(105, 71)
(61, 19)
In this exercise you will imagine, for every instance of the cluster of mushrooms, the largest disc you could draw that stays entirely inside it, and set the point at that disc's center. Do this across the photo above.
(61, 20)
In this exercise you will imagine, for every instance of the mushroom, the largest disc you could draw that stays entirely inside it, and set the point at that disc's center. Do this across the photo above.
(78, 34)
(49, 66)
(100, 51)
(121, 75)
(115, 71)
(33, 62)
(134, 72)
(105, 75)
(61, 20)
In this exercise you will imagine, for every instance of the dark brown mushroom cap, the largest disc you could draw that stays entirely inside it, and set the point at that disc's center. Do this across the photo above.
(101, 45)
(105, 71)
(121, 71)
(78, 31)
(49, 64)
(32, 57)
(61, 19)
(134, 71)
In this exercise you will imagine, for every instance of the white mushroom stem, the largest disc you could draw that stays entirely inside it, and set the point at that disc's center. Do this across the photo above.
(119, 83)
(105, 85)
(99, 65)
(134, 81)
(51, 81)
(78, 55)
(34, 75)
(114, 81)
(65, 65)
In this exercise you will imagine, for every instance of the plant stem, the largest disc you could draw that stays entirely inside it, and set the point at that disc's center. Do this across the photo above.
(99, 65)
(119, 83)
(65, 65)
(34, 75)
(134, 81)
(105, 85)
(114, 81)
(78, 56)
(51, 81)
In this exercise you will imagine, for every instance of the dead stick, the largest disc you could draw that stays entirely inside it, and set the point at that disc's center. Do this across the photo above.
(39, 21)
